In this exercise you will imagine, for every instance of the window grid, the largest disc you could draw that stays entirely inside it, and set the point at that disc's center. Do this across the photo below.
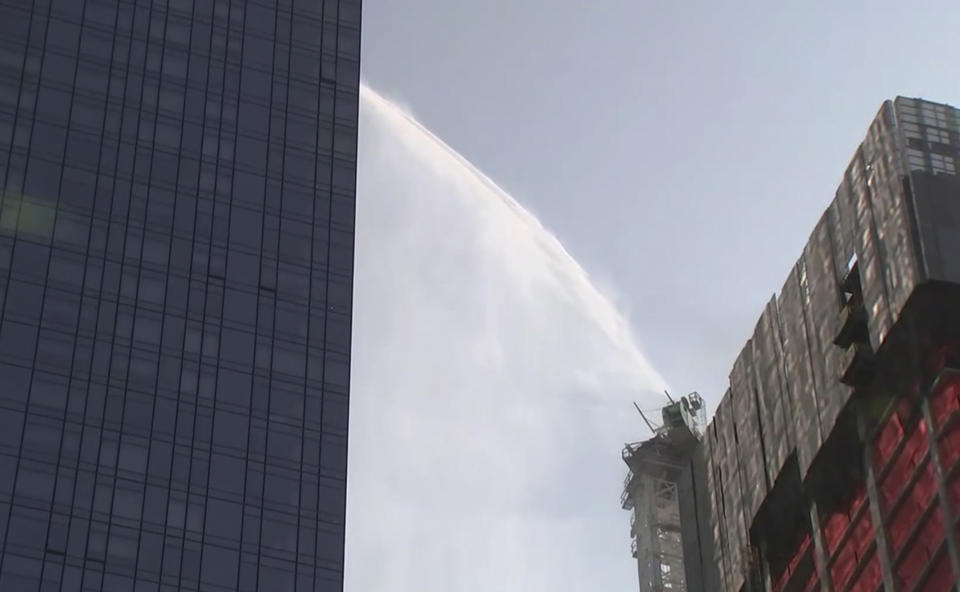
(932, 136)
(129, 269)
(15, 475)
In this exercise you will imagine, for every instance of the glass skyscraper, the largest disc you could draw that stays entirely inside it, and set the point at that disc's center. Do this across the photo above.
(176, 257)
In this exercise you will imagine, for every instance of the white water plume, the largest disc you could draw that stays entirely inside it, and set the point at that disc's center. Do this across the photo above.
(491, 386)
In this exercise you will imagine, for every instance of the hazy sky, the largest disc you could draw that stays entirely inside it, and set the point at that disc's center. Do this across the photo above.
(681, 151)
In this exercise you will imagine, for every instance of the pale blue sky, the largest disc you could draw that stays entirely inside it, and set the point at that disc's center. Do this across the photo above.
(682, 150)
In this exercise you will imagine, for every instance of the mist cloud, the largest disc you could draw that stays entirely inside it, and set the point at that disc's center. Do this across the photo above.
(491, 386)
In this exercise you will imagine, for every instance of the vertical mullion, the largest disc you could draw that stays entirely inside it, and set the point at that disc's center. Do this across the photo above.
(946, 505)
(116, 313)
(876, 512)
(13, 246)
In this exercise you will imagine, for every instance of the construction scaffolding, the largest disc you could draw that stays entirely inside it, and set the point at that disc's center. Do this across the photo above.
(832, 462)
(650, 492)
(909, 488)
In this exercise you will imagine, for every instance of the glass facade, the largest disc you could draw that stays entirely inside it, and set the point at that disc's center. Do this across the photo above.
(932, 135)
(176, 258)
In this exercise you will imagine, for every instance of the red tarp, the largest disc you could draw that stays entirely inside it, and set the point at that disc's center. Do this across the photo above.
(834, 525)
(843, 566)
(870, 577)
(905, 519)
(903, 465)
(949, 446)
(798, 556)
(921, 550)
(862, 536)
(945, 399)
(953, 489)
(925, 489)
(886, 441)
(941, 578)
(833, 529)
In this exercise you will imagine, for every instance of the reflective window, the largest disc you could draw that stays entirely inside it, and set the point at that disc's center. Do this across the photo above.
(162, 339)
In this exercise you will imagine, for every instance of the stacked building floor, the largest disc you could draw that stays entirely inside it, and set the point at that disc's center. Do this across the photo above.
(832, 462)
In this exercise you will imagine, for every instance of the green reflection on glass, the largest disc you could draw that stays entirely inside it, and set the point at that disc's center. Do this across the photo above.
(26, 217)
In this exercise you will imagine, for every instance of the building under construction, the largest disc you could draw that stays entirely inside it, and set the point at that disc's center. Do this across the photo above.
(651, 491)
(833, 460)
